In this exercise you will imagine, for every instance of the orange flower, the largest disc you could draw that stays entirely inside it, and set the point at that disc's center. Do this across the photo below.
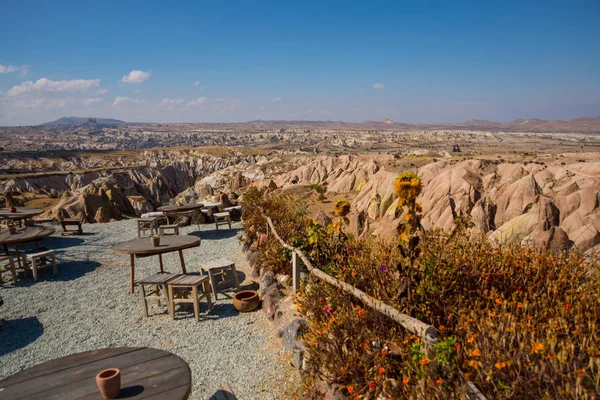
(519, 304)
(381, 370)
(442, 328)
(384, 352)
(475, 353)
(406, 380)
(500, 365)
(439, 381)
(498, 301)
(378, 378)
(470, 340)
(371, 385)
(474, 364)
(537, 348)
(425, 361)
(549, 356)
(456, 346)
(350, 389)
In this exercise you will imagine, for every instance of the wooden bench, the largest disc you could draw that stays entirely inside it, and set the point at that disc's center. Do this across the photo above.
(219, 267)
(222, 218)
(40, 260)
(159, 291)
(44, 221)
(66, 221)
(9, 263)
(162, 230)
(186, 282)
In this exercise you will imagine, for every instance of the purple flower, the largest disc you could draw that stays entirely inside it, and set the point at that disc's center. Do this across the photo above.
(383, 268)
(327, 310)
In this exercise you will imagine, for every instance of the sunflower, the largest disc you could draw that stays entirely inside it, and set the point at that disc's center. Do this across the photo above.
(341, 208)
(407, 187)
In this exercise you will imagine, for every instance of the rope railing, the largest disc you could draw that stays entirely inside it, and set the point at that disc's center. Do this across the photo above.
(428, 333)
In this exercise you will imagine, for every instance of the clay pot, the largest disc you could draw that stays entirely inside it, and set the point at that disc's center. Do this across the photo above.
(109, 383)
(155, 241)
(12, 229)
(246, 300)
(13, 209)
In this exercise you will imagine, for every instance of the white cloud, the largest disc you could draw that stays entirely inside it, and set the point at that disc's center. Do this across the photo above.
(170, 102)
(46, 85)
(276, 99)
(136, 76)
(197, 101)
(196, 83)
(7, 69)
(89, 102)
(377, 85)
(101, 91)
(119, 101)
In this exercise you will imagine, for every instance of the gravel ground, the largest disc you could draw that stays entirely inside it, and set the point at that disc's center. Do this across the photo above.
(88, 306)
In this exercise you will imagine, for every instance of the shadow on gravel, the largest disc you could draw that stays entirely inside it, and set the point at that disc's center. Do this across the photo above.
(67, 271)
(222, 310)
(216, 234)
(19, 333)
(61, 242)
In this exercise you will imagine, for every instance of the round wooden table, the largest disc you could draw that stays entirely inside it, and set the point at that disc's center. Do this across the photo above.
(142, 247)
(175, 210)
(145, 373)
(20, 214)
(25, 235)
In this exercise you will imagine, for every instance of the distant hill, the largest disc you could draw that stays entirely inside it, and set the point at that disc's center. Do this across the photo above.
(83, 120)
(584, 125)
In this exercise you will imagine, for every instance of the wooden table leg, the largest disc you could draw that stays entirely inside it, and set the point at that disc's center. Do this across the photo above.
(182, 262)
(132, 278)
(18, 256)
(161, 263)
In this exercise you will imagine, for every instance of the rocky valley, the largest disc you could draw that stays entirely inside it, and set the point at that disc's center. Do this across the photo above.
(538, 187)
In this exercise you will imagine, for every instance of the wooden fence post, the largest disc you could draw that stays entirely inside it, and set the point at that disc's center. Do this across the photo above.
(295, 272)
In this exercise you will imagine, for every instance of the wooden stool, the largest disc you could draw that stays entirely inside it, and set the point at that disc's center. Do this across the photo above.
(158, 281)
(39, 260)
(163, 228)
(10, 265)
(147, 224)
(189, 282)
(219, 267)
(222, 218)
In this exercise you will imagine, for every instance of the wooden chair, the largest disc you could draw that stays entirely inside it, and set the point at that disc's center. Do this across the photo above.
(222, 218)
(40, 260)
(187, 282)
(159, 290)
(8, 262)
(219, 267)
(66, 220)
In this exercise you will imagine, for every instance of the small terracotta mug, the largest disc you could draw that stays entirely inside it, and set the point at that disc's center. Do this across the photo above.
(109, 383)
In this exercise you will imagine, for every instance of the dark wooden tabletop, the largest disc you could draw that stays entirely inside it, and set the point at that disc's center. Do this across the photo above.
(180, 208)
(22, 212)
(145, 373)
(26, 234)
(169, 243)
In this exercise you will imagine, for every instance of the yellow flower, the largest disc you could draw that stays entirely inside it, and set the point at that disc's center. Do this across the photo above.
(341, 207)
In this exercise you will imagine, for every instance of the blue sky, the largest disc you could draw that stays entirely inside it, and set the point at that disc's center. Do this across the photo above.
(430, 61)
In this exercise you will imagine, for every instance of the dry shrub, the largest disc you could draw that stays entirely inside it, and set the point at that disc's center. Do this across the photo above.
(518, 323)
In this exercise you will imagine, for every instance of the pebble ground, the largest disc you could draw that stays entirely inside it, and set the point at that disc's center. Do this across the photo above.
(88, 306)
